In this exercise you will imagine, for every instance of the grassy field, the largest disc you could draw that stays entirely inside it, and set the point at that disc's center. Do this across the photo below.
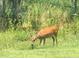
(34, 15)
(18, 44)
(44, 53)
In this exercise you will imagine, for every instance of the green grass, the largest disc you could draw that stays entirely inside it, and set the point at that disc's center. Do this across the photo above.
(13, 44)
(37, 15)
(44, 53)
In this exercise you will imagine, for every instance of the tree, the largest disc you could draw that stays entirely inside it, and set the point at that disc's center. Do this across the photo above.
(14, 4)
(4, 20)
(74, 6)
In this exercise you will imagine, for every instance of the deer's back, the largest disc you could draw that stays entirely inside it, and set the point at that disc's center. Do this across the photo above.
(48, 31)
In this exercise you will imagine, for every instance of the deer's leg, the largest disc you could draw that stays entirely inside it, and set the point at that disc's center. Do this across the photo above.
(53, 40)
(56, 39)
(40, 41)
(44, 41)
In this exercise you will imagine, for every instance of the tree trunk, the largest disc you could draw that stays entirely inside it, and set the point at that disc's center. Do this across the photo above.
(15, 6)
(4, 21)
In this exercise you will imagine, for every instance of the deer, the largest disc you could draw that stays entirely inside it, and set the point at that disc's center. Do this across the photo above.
(50, 31)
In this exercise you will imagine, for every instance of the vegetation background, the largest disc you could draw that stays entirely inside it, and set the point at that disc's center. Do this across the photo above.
(21, 19)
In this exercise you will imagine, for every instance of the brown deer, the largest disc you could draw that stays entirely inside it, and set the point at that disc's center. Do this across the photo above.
(51, 31)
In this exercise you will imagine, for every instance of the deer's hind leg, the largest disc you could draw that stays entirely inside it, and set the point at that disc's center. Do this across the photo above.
(53, 40)
(56, 39)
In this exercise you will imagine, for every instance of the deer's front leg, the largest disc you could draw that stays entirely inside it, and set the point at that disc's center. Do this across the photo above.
(44, 41)
(40, 41)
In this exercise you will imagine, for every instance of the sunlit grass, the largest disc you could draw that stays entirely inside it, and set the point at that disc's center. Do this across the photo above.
(37, 14)
(13, 45)
(46, 52)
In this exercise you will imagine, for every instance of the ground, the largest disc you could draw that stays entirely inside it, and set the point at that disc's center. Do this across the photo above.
(12, 45)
